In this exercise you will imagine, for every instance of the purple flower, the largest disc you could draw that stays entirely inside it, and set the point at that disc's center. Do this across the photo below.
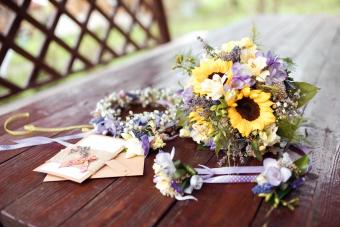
(187, 95)
(175, 186)
(211, 144)
(241, 77)
(145, 144)
(298, 182)
(106, 126)
(277, 72)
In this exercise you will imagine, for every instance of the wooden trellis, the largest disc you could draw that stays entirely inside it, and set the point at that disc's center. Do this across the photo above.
(121, 19)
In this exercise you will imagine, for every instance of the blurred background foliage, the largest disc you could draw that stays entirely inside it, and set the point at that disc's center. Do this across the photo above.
(184, 16)
(190, 15)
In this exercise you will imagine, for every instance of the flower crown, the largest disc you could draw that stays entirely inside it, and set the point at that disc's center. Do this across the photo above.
(142, 131)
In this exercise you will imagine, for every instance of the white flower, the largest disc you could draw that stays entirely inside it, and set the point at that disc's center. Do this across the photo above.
(256, 65)
(286, 161)
(133, 146)
(164, 160)
(269, 137)
(274, 173)
(213, 88)
(163, 184)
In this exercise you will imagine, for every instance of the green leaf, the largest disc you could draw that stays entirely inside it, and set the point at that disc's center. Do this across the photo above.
(179, 173)
(190, 170)
(302, 163)
(287, 128)
(254, 33)
(290, 63)
(307, 92)
(182, 119)
(185, 184)
(255, 147)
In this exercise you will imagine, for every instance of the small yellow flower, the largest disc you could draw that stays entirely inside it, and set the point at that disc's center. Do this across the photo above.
(157, 142)
(229, 46)
(196, 116)
(184, 132)
(247, 42)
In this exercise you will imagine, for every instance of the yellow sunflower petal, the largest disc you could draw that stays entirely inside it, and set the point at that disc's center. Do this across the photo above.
(265, 116)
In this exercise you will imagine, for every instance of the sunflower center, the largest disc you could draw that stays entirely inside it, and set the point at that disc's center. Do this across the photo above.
(212, 74)
(248, 109)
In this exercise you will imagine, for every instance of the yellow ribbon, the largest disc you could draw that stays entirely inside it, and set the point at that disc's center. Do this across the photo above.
(30, 128)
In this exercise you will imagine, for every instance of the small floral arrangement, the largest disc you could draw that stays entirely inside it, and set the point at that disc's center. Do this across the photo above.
(279, 178)
(174, 178)
(241, 101)
(142, 131)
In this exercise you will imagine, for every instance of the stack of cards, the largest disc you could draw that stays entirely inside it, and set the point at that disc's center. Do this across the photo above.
(92, 157)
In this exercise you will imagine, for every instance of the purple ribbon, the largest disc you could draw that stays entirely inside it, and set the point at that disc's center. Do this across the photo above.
(226, 174)
(231, 179)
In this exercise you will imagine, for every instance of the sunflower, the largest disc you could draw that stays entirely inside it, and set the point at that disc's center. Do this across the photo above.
(207, 69)
(250, 110)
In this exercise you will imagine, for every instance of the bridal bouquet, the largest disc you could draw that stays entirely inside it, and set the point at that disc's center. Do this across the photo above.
(241, 101)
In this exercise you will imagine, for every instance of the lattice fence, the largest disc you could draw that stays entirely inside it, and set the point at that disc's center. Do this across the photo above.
(36, 49)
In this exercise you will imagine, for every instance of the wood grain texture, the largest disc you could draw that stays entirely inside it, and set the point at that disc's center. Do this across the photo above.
(24, 200)
(319, 196)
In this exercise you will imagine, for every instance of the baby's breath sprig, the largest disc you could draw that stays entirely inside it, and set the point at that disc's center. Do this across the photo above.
(185, 62)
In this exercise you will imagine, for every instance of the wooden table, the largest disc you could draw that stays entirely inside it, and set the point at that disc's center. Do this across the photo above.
(314, 43)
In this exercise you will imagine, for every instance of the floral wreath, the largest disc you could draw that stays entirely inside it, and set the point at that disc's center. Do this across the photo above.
(145, 130)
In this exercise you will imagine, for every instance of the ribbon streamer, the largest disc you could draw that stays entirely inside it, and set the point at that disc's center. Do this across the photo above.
(30, 128)
(39, 140)
(228, 170)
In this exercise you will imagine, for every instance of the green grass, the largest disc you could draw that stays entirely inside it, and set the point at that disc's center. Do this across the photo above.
(182, 18)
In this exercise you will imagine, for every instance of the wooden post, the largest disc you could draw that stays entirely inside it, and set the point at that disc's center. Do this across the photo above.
(162, 21)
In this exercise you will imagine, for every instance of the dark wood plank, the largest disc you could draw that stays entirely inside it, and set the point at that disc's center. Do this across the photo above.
(154, 67)
(319, 196)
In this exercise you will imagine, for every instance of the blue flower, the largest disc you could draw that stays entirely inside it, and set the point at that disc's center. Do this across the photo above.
(264, 188)
(298, 182)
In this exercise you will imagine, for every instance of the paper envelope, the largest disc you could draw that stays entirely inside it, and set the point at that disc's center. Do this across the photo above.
(104, 147)
(117, 167)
